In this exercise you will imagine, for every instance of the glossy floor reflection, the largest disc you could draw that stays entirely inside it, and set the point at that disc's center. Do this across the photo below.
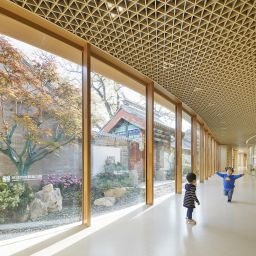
(225, 229)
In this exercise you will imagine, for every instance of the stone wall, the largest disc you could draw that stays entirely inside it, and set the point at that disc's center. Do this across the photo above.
(67, 160)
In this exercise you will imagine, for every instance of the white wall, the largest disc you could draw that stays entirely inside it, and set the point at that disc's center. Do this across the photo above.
(100, 154)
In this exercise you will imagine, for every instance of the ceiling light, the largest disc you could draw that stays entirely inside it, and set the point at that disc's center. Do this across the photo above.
(113, 15)
(197, 89)
(110, 5)
(119, 8)
(167, 65)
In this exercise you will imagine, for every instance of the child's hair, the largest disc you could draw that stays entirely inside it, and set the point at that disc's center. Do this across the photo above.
(229, 168)
(191, 177)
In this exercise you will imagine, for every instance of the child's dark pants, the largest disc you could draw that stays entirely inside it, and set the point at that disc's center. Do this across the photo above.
(189, 213)
(229, 193)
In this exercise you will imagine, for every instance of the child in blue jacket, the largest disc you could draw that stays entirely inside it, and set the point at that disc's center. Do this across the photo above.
(229, 181)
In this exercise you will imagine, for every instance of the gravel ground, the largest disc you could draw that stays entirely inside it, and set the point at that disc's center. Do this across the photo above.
(66, 216)
(70, 214)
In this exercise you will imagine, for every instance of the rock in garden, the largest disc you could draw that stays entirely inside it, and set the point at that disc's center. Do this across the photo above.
(48, 188)
(105, 201)
(37, 209)
(51, 197)
(115, 192)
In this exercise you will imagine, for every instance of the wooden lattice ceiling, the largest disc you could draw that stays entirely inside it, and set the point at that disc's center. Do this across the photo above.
(204, 52)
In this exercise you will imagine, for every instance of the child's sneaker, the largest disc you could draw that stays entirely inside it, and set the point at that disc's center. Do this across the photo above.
(191, 221)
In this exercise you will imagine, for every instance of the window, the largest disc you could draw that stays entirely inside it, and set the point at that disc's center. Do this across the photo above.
(186, 145)
(164, 147)
(118, 115)
(40, 137)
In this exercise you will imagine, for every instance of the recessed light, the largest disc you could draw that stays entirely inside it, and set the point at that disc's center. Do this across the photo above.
(167, 65)
(113, 15)
(197, 89)
(110, 5)
(120, 8)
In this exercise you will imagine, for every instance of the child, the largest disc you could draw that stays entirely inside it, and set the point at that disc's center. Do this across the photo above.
(229, 181)
(190, 197)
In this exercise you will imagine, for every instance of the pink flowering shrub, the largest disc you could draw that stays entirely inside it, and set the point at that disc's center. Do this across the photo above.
(69, 185)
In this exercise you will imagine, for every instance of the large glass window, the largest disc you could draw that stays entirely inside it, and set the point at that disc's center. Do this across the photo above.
(198, 151)
(186, 145)
(118, 140)
(40, 138)
(164, 147)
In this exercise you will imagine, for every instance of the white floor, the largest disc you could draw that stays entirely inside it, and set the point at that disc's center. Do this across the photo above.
(225, 229)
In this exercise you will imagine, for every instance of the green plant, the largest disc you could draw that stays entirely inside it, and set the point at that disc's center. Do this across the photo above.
(106, 180)
(14, 198)
(25, 199)
(69, 185)
(112, 166)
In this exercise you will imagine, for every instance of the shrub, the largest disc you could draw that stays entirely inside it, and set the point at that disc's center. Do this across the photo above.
(106, 180)
(14, 199)
(69, 185)
(111, 167)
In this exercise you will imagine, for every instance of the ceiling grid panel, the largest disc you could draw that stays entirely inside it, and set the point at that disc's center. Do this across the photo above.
(203, 52)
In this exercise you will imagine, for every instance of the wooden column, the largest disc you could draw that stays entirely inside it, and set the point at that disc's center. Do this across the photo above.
(229, 155)
(210, 155)
(206, 155)
(218, 157)
(86, 115)
(178, 131)
(202, 153)
(213, 155)
(149, 143)
(235, 158)
(193, 146)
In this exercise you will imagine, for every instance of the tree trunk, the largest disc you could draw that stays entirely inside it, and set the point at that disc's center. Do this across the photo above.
(23, 169)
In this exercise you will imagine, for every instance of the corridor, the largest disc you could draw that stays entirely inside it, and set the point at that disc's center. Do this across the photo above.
(223, 229)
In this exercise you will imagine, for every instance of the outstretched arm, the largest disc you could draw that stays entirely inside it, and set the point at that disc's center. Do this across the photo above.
(238, 176)
(220, 174)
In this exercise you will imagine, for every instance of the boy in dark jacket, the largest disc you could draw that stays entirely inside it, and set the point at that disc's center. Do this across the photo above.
(190, 197)
(229, 181)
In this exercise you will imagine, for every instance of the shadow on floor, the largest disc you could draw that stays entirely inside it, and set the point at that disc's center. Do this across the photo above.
(73, 231)
(243, 202)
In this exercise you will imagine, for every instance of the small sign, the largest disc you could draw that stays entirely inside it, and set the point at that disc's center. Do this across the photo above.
(21, 178)
(6, 178)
